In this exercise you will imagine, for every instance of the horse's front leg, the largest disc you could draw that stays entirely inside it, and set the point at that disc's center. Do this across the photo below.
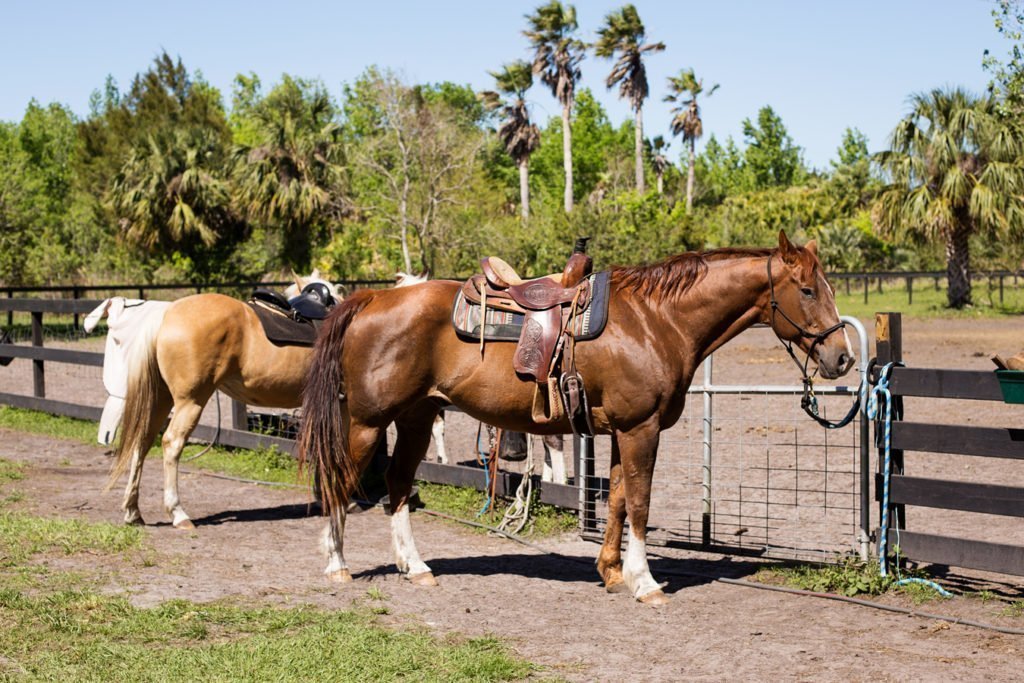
(638, 450)
(609, 561)
(554, 459)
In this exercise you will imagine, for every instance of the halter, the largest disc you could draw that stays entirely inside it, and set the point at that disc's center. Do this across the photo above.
(809, 402)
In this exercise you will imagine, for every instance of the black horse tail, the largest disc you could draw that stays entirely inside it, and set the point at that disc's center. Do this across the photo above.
(322, 442)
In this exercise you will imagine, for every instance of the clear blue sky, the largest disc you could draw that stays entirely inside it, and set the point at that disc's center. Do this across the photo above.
(822, 64)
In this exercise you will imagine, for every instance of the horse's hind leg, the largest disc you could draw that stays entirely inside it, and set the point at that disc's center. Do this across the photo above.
(410, 448)
(186, 417)
(159, 410)
(438, 430)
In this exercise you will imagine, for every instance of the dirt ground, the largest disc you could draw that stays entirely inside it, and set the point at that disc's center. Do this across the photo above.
(261, 543)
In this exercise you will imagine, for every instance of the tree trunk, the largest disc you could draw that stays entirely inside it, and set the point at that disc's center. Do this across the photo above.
(403, 216)
(524, 188)
(958, 267)
(640, 187)
(661, 183)
(689, 175)
(567, 154)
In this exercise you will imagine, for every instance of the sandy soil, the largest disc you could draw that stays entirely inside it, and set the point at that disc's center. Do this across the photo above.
(262, 543)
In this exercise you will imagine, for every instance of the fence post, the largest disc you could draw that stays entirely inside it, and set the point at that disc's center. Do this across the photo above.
(847, 286)
(889, 348)
(239, 420)
(38, 376)
(865, 289)
(910, 290)
(880, 278)
(75, 295)
(1000, 290)
(10, 314)
(708, 431)
(583, 451)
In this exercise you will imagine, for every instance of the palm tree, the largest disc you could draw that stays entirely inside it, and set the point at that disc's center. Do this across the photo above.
(659, 161)
(292, 178)
(556, 59)
(686, 117)
(953, 170)
(623, 33)
(168, 192)
(517, 134)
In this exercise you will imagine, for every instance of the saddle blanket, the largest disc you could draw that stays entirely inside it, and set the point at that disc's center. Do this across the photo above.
(282, 329)
(507, 326)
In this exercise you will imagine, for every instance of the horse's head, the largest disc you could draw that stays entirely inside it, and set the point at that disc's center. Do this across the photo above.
(406, 280)
(301, 281)
(803, 307)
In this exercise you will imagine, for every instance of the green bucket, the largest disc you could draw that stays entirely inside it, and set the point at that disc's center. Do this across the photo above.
(1012, 384)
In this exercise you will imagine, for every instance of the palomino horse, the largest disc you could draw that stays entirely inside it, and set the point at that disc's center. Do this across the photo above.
(392, 356)
(202, 343)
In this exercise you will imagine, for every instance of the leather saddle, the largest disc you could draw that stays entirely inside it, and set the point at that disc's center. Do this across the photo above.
(545, 302)
(295, 321)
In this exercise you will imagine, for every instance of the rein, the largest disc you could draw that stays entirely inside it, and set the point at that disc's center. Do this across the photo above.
(809, 402)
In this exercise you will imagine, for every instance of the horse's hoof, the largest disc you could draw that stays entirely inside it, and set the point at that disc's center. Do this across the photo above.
(184, 524)
(615, 586)
(135, 521)
(655, 598)
(339, 576)
(423, 579)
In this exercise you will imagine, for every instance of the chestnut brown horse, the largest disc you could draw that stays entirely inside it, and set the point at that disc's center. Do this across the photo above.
(202, 343)
(392, 356)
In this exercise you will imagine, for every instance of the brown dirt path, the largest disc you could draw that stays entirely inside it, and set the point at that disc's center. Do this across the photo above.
(260, 543)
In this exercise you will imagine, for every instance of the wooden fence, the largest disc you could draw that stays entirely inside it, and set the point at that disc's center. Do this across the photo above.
(981, 442)
(235, 435)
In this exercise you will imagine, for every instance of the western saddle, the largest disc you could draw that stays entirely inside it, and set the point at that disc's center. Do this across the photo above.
(545, 351)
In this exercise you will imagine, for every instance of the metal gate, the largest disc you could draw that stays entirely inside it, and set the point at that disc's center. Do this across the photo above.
(745, 471)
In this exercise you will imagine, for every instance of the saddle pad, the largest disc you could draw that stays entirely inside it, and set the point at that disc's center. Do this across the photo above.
(284, 330)
(507, 326)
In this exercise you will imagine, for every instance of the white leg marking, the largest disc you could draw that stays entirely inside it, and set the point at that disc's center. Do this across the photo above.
(635, 571)
(438, 431)
(557, 459)
(406, 556)
(332, 541)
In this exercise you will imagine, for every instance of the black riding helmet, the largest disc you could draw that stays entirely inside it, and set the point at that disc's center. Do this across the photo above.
(319, 290)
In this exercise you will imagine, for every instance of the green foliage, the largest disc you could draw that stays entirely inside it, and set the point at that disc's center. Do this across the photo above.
(1007, 84)
(10, 471)
(23, 535)
(849, 577)
(771, 158)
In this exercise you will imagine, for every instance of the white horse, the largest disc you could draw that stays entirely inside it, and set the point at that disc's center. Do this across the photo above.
(554, 458)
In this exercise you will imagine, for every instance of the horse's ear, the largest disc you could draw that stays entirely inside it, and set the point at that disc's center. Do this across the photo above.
(425, 275)
(315, 275)
(296, 279)
(787, 251)
(812, 247)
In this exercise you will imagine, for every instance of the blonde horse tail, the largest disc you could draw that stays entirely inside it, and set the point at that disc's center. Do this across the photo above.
(144, 385)
(321, 444)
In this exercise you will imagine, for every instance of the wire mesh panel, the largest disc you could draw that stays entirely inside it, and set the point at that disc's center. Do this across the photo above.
(746, 471)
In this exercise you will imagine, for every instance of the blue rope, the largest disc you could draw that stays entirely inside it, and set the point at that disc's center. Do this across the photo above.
(484, 457)
(881, 391)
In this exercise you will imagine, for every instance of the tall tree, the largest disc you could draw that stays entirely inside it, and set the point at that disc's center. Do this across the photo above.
(1007, 84)
(954, 171)
(291, 176)
(170, 192)
(623, 33)
(556, 58)
(684, 90)
(519, 136)
(771, 158)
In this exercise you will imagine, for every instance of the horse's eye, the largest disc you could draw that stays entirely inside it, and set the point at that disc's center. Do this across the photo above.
(807, 291)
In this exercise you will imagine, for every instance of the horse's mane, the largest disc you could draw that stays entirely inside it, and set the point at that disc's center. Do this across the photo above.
(676, 274)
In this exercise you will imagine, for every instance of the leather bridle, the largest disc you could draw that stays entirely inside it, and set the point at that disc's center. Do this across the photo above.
(809, 402)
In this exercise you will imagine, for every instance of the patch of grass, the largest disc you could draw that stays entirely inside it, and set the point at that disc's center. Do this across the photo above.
(23, 535)
(466, 503)
(75, 635)
(36, 422)
(10, 471)
(1014, 609)
(266, 464)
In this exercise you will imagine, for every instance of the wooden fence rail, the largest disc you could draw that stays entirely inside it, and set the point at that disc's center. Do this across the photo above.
(922, 491)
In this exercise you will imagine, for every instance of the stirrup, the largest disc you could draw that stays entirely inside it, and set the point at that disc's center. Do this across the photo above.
(574, 398)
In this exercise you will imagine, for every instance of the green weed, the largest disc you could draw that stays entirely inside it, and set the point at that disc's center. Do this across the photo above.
(23, 535)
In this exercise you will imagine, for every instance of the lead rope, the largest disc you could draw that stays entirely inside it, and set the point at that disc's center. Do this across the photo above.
(518, 511)
(882, 392)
